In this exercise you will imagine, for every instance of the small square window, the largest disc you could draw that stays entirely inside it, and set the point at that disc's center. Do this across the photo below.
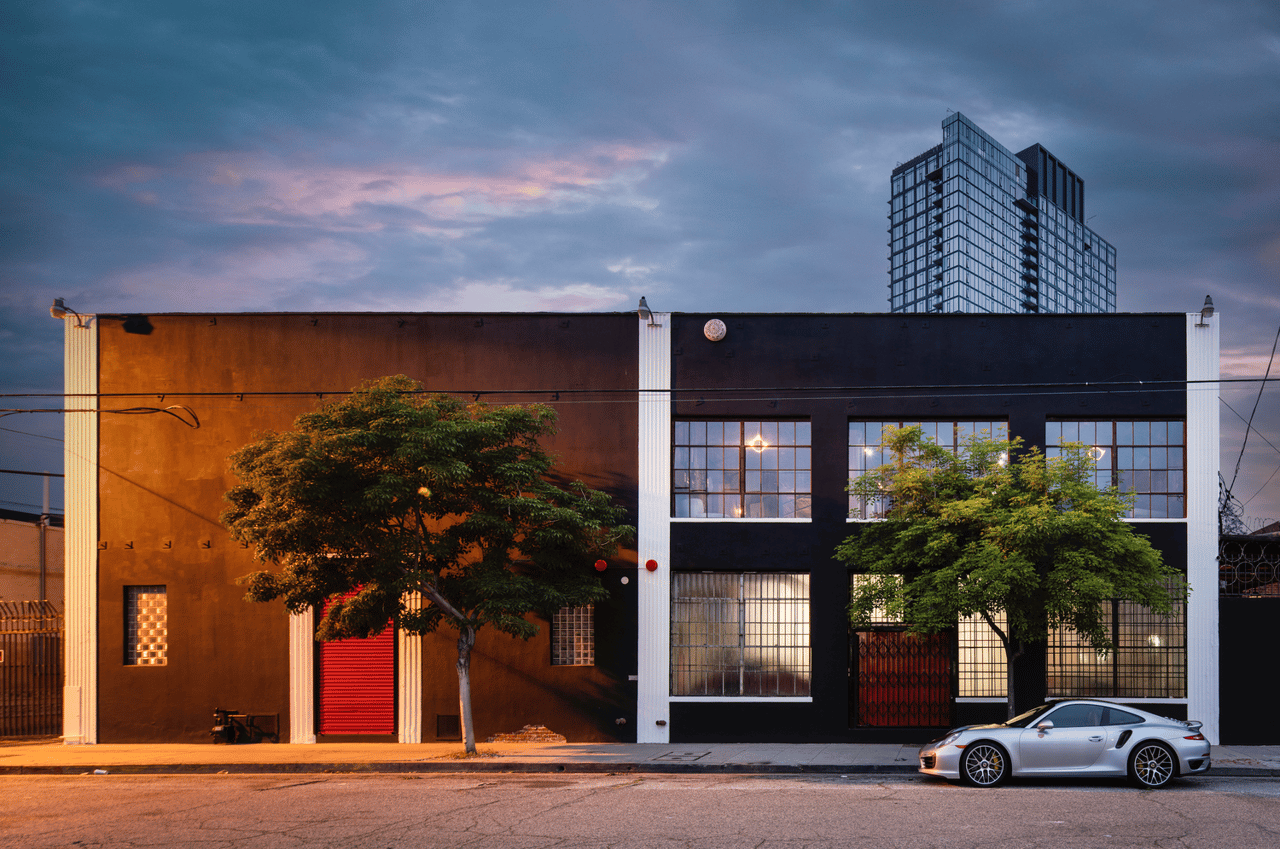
(146, 625)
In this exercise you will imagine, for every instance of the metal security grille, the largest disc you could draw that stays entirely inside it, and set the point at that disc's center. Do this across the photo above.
(902, 680)
(30, 669)
(1149, 660)
(740, 634)
(146, 618)
(573, 636)
(981, 665)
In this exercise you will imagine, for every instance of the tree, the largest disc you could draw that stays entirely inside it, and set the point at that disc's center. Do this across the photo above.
(998, 529)
(392, 491)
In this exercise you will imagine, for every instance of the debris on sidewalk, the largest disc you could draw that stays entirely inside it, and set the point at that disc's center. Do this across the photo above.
(530, 734)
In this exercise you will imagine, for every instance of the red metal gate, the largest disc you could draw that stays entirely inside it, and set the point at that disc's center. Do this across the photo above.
(901, 679)
(358, 685)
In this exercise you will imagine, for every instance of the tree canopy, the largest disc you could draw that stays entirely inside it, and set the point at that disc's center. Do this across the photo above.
(1025, 542)
(392, 491)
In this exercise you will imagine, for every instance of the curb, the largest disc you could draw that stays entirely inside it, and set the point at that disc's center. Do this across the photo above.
(411, 767)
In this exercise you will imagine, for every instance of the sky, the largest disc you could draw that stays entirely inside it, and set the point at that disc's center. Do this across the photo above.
(436, 156)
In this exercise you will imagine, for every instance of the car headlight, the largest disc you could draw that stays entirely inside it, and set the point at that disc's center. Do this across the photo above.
(948, 740)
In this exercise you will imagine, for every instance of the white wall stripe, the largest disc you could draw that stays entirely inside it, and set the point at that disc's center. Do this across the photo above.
(80, 459)
(1202, 522)
(653, 533)
(302, 677)
(409, 679)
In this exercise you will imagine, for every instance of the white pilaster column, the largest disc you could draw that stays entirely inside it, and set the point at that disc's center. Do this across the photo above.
(653, 534)
(302, 677)
(1202, 522)
(409, 679)
(80, 459)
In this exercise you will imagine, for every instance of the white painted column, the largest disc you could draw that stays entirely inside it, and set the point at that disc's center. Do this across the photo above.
(653, 533)
(1202, 522)
(302, 677)
(409, 679)
(80, 459)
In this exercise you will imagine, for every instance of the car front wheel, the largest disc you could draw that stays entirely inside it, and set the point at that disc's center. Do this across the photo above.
(984, 764)
(1151, 765)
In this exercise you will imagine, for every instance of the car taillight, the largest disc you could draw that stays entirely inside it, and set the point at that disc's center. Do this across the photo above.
(1194, 737)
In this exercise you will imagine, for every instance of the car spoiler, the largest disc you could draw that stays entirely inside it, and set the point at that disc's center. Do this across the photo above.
(1193, 725)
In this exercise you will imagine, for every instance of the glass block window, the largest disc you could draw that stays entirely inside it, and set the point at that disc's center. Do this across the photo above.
(741, 469)
(981, 663)
(867, 452)
(736, 634)
(573, 636)
(1149, 661)
(1145, 459)
(146, 620)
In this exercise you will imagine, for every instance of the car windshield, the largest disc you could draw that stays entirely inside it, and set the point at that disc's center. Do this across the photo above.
(1024, 720)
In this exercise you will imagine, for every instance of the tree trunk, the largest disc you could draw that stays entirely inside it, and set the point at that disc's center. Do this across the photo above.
(466, 642)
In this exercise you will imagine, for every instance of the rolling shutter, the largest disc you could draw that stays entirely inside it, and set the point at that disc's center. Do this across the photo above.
(358, 685)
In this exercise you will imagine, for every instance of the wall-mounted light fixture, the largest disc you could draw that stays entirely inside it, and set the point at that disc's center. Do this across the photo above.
(646, 313)
(1206, 312)
(132, 323)
(59, 311)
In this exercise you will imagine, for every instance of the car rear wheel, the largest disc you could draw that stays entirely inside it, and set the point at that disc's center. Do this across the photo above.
(1151, 765)
(984, 764)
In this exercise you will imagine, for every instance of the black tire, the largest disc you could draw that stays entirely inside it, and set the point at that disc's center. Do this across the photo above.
(1152, 765)
(984, 764)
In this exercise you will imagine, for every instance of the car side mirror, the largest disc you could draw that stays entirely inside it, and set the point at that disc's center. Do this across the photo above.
(1044, 726)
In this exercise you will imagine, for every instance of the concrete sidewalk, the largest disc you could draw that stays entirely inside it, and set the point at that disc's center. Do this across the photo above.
(51, 757)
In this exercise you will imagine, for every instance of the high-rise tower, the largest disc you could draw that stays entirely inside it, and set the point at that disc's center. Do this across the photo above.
(974, 228)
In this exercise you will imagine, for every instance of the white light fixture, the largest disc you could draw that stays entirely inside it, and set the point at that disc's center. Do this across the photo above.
(1206, 312)
(645, 312)
(59, 311)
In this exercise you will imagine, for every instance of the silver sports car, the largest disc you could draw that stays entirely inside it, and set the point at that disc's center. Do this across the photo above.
(1071, 737)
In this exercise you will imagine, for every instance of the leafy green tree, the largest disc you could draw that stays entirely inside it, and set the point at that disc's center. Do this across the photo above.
(998, 529)
(392, 491)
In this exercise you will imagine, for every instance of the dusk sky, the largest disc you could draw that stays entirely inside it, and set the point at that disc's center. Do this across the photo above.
(712, 156)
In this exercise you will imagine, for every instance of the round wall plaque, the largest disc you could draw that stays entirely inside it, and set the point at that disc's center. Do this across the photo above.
(714, 330)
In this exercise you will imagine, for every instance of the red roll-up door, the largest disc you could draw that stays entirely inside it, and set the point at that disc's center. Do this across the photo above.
(358, 685)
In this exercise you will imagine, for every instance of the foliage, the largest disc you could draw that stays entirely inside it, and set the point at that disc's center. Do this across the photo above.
(995, 528)
(393, 491)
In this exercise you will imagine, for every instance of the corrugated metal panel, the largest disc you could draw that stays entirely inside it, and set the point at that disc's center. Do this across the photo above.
(80, 369)
(1203, 339)
(358, 685)
(653, 538)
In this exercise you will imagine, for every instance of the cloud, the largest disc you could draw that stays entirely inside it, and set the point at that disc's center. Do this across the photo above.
(258, 189)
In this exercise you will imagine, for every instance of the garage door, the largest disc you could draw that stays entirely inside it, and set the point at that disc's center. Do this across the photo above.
(358, 685)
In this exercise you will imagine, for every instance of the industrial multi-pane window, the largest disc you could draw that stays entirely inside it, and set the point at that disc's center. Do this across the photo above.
(741, 469)
(867, 451)
(1149, 660)
(1145, 459)
(146, 620)
(573, 636)
(740, 634)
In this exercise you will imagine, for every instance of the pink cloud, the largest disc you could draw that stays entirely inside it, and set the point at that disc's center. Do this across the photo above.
(259, 189)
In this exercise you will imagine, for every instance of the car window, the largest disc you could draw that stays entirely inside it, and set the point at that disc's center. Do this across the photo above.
(1076, 716)
(1115, 716)
(1025, 720)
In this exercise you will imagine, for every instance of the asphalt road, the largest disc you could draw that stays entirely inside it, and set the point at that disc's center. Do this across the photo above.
(626, 811)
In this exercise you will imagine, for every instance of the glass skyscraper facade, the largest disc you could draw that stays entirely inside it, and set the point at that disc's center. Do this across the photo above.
(974, 228)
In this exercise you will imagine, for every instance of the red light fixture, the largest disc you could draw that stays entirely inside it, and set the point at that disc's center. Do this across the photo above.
(601, 565)
(651, 565)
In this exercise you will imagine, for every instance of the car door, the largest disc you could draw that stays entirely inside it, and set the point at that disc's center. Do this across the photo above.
(1075, 741)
